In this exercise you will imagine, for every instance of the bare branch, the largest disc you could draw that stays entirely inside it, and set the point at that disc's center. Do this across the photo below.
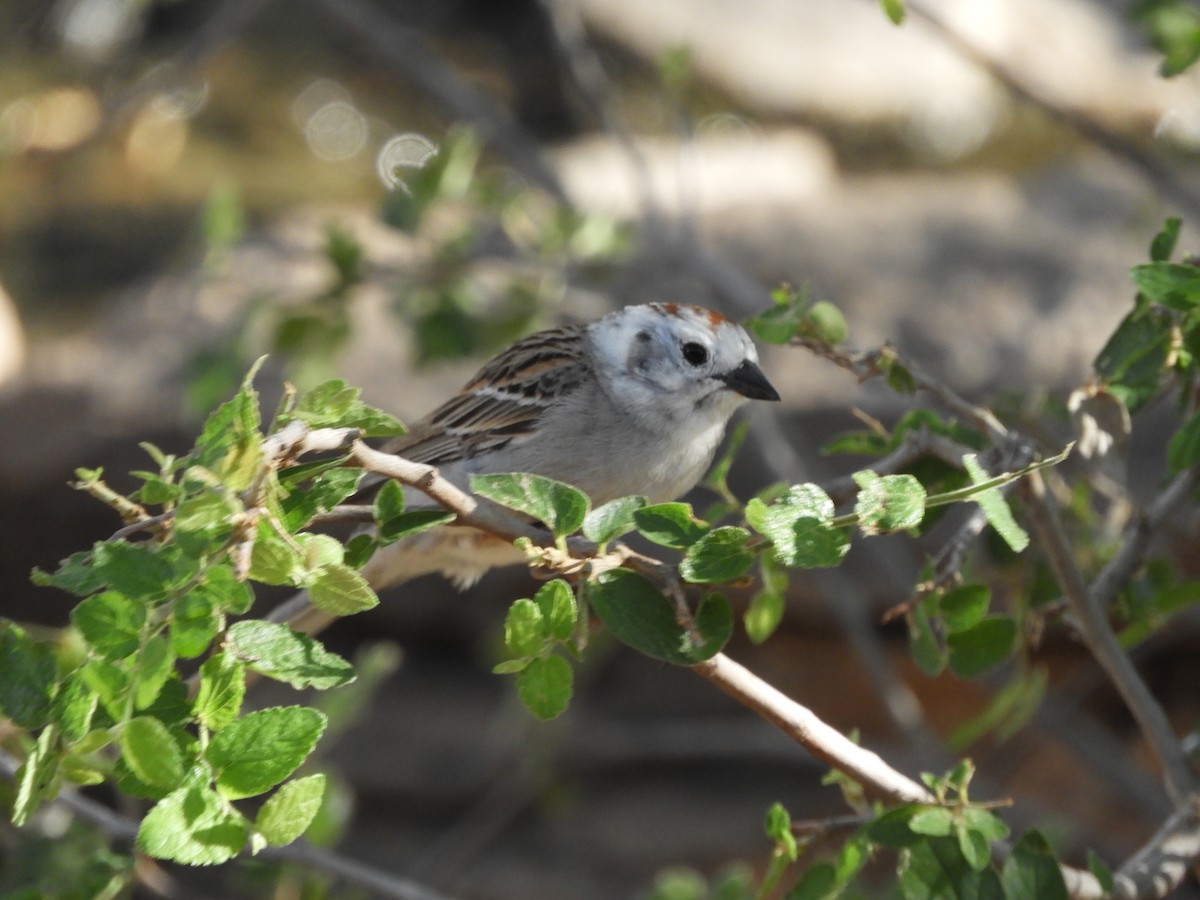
(1098, 634)
(803, 726)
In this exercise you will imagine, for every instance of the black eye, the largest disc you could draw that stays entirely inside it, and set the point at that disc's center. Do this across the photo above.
(695, 354)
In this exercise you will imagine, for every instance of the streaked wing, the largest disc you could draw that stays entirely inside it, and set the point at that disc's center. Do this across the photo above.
(502, 403)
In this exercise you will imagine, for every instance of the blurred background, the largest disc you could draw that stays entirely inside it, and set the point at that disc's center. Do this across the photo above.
(389, 191)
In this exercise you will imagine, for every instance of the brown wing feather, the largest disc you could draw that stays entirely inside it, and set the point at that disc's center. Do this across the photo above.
(502, 403)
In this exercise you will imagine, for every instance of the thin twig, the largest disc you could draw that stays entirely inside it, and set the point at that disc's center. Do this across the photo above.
(1103, 645)
(803, 726)
(1121, 568)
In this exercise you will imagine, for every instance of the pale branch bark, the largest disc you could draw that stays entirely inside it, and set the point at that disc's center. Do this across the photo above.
(1155, 865)
(799, 723)
(804, 727)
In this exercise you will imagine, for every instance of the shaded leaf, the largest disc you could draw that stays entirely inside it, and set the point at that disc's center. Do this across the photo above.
(670, 524)
(1032, 871)
(981, 647)
(640, 616)
(28, 675)
(611, 520)
(718, 556)
(559, 506)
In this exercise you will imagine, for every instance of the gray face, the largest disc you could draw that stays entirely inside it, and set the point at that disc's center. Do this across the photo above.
(671, 362)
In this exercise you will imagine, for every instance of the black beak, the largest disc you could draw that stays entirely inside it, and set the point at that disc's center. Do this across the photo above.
(749, 381)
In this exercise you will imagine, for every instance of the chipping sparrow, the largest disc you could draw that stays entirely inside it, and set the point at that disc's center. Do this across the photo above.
(634, 403)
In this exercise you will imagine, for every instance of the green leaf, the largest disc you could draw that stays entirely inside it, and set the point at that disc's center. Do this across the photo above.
(797, 525)
(778, 827)
(111, 623)
(935, 869)
(151, 753)
(1032, 870)
(414, 521)
(326, 490)
(825, 321)
(670, 524)
(360, 549)
(256, 752)
(1164, 242)
(933, 820)
(974, 847)
(193, 826)
(986, 823)
(640, 616)
(927, 652)
(781, 322)
(1134, 359)
(894, 10)
(274, 560)
(341, 591)
(991, 501)
(1183, 452)
(222, 687)
(76, 575)
(981, 647)
(559, 612)
(889, 503)
(388, 503)
(511, 666)
(763, 615)
(559, 506)
(109, 681)
(224, 591)
(36, 776)
(150, 670)
(965, 606)
(1173, 285)
(205, 520)
(194, 624)
(1102, 872)
(611, 520)
(74, 706)
(134, 570)
(334, 405)
(27, 678)
(274, 650)
(719, 556)
(290, 810)
(545, 686)
(523, 628)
